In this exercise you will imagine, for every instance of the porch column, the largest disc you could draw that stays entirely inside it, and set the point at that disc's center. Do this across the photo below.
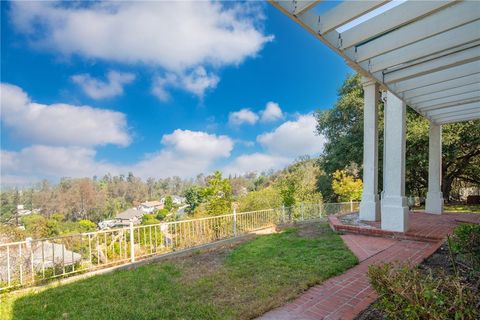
(434, 202)
(370, 204)
(394, 209)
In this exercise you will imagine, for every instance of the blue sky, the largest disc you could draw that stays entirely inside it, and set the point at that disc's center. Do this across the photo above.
(159, 89)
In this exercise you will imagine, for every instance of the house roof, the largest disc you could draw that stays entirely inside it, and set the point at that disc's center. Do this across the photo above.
(129, 214)
(151, 203)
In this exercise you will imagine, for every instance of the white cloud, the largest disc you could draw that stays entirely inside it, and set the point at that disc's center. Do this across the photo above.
(176, 36)
(256, 162)
(293, 138)
(185, 153)
(60, 124)
(243, 116)
(197, 82)
(98, 89)
(272, 112)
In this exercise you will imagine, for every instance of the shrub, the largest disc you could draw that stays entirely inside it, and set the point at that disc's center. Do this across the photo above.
(162, 213)
(466, 242)
(149, 219)
(87, 225)
(410, 294)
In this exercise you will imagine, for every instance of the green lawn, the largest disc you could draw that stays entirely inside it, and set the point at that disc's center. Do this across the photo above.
(229, 283)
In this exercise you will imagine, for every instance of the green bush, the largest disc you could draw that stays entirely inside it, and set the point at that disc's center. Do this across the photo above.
(149, 219)
(162, 213)
(87, 225)
(406, 293)
(466, 243)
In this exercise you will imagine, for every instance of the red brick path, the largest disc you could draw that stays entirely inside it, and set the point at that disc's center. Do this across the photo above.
(345, 296)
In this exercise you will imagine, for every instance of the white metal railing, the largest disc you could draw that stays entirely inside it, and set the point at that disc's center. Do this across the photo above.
(34, 261)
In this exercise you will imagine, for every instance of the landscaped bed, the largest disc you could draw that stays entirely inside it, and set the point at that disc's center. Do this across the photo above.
(231, 282)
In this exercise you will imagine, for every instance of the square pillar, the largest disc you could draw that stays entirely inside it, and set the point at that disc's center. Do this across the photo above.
(394, 208)
(434, 201)
(370, 204)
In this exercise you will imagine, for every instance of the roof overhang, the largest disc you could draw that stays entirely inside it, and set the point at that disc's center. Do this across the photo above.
(427, 53)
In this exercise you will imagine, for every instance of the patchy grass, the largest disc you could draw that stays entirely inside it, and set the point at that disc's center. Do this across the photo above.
(228, 283)
(467, 208)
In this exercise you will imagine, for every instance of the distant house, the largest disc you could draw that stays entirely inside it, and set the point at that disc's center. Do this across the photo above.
(106, 224)
(175, 200)
(130, 215)
(22, 211)
(150, 206)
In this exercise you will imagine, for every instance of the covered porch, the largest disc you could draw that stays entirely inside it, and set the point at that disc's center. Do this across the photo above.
(424, 54)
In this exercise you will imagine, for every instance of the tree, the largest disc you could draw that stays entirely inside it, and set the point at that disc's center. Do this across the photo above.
(168, 203)
(346, 186)
(193, 198)
(342, 126)
(258, 200)
(217, 195)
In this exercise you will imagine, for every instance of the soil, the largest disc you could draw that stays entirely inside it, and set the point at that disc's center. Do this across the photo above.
(439, 262)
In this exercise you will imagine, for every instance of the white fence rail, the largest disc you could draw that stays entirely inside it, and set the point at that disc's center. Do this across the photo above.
(34, 261)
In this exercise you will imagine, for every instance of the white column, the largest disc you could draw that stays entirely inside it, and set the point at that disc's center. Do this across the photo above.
(434, 202)
(394, 209)
(370, 205)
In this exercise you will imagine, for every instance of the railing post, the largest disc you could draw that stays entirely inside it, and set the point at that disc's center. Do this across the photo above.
(234, 221)
(351, 205)
(132, 243)
(302, 209)
(283, 213)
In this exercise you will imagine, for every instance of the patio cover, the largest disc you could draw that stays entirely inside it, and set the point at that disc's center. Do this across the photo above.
(427, 53)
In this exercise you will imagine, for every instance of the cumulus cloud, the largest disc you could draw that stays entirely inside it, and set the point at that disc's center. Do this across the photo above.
(196, 82)
(293, 138)
(184, 153)
(60, 124)
(98, 89)
(272, 112)
(243, 116)
(281, 146)
(175, 36)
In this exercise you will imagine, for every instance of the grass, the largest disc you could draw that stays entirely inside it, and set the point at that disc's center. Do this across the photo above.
(239, 282)
(467, 208)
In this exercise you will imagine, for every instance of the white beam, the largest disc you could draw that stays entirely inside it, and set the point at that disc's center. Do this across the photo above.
(437, 77)
(438, 43)
(389, 20)
(303, 6)
(447, 101)
(458, 119)
(440, 63)
(442, 86)
(454, 110)
(345, 12)
(444, 93)
(467, 116)
(450, 17)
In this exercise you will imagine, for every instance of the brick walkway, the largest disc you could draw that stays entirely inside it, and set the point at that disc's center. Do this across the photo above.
(345, 296)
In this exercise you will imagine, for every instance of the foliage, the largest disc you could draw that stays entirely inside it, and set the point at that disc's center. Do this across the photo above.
(342, 126)
(38, 226)
(168, 203)
(407, 293)
(217, 195)
(466, 243)
(87, 225)
(231, 283)
(150, 219)
(346, 186)
(262, 199)
(193, 198)
(161, 214)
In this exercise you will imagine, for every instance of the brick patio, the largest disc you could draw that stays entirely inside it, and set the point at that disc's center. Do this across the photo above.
(345, 296)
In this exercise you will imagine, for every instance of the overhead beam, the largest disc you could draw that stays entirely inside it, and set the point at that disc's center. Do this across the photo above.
(345, 12)
(389, 20)
(447, 104)
(474, 87)
(455, 110)
(437, 64)
(447, 100)
(442, 86)
(303, 6)
(438, 43)
(473, 115)
(451, 17)
(457, 119)
(437, 77)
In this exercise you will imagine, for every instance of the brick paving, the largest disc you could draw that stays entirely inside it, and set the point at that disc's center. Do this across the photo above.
(345, 296)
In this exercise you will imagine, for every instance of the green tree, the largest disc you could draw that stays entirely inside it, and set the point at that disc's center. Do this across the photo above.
(193, 198)
(258, 200)
(342, 126)
(217, 195)
(346, 186)
(168, 203)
